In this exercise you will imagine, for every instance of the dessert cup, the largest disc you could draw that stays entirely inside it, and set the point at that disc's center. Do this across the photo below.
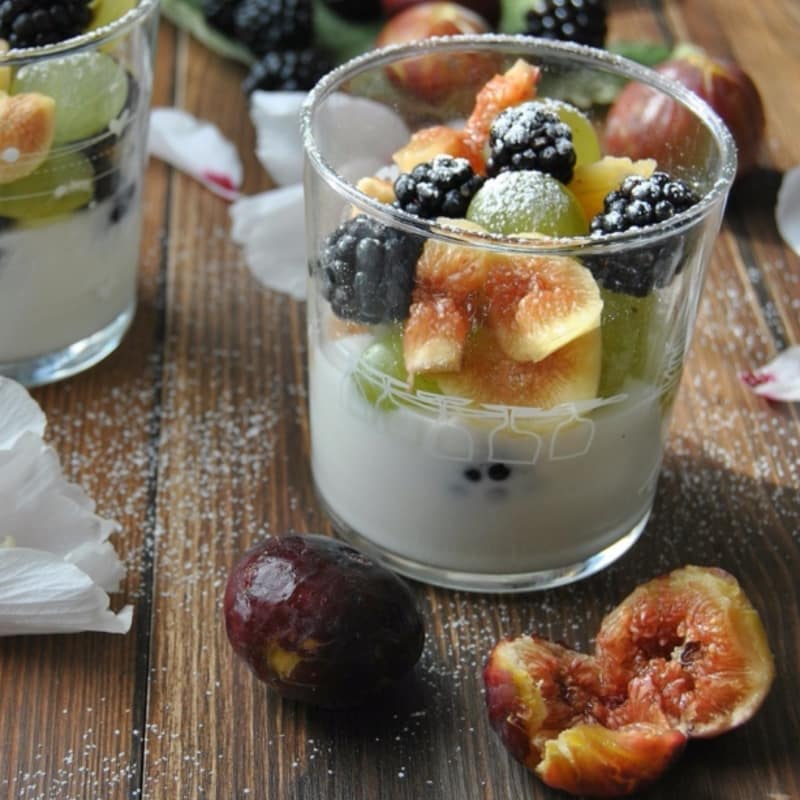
(70, 216)
(494, 473)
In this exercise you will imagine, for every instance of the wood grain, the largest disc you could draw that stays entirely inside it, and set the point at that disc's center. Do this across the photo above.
(194, 435)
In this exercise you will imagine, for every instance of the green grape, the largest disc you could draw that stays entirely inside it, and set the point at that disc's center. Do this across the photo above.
(584, 137)
(107, 11)
(90, 90)
(385, 357)
(63, 183)
(527, 202)
(624, 324)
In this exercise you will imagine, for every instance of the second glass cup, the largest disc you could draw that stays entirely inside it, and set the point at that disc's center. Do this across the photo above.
(490, 385)
(73, 131)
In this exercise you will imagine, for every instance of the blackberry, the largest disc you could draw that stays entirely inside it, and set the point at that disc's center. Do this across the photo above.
(367, 270)
(268, 25)
(221, 15)
(33, 23)
(443, 187)
(356, 10)
(531, 137)
(287, 70)
(640, 202)
(582, 21)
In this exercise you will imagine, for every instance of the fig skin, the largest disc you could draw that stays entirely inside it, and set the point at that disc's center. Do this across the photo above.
(683, 656)
(319, 622)
(489, 9)
(644, 123)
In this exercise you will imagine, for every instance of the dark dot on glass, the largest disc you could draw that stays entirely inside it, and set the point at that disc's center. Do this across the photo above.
(498, 472)
(472, 474)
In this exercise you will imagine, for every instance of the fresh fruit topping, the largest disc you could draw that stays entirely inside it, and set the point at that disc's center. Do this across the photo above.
(584, 137)
(287, 71)
(531, 137)
(684, 655)
(592, 182)
(582, 21)
(366, 270)
(432, 77)
(62, 183)
(265, 26)
(443, 187)
(427, 143)
(356, 10)
(435, 335)
(514, 86)
(538, 304)
(488, 9)
(107, 11)
(90, 89)
(488, 375)
(379, 189)
(30, 23)
(319, 622)
(625, 324)
(27, 124)
(384, 358)
(645, 123)
(527, 202)
(638, 203)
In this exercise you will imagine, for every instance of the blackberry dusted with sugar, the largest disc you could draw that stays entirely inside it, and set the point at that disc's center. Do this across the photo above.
(32, 23)
(443, 187)
(639, 203)
(531, 137)
(287, 71)
(581, 21)
(366, 271)
(265, 26)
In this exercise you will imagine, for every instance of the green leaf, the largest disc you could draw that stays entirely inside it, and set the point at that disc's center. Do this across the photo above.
(188, 15)
(583, 88)
(341, 38)
(650, 54)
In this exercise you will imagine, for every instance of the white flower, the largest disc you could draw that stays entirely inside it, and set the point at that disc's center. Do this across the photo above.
(56, 565)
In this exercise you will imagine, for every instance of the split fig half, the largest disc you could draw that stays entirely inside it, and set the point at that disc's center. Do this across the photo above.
(685, 655)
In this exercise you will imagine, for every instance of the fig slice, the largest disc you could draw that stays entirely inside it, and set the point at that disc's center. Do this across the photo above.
(488, 375)
(693, 641)
(685, 655)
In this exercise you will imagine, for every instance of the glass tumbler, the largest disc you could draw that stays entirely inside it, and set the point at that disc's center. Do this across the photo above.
(73, 131)
(490, 389)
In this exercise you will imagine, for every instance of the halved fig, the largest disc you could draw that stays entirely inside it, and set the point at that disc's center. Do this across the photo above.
(684, 655)
(488, 375)
(692, 643)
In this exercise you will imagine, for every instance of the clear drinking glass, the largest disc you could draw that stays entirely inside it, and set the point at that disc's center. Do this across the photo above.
(504, 471)
(73, 132)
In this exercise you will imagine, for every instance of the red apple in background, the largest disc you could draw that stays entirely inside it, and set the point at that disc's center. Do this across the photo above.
(644, 123)
(490, 10)
(432, 77)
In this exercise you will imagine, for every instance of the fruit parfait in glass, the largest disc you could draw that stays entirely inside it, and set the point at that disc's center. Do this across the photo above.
(75, 81)
(498, 310)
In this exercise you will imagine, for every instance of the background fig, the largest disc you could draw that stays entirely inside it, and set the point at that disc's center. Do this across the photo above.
(643, 123)
(319, 622)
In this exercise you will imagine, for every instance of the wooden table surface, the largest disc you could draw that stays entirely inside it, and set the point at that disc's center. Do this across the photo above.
(194, 436)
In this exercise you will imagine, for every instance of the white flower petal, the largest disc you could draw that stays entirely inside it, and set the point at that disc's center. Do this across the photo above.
(42, 593)
(19, 413)
(276, 117)
(787, 210)
(56, 564)
(270, 228)
(779, 379)
(196, 147)
(40, 508)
